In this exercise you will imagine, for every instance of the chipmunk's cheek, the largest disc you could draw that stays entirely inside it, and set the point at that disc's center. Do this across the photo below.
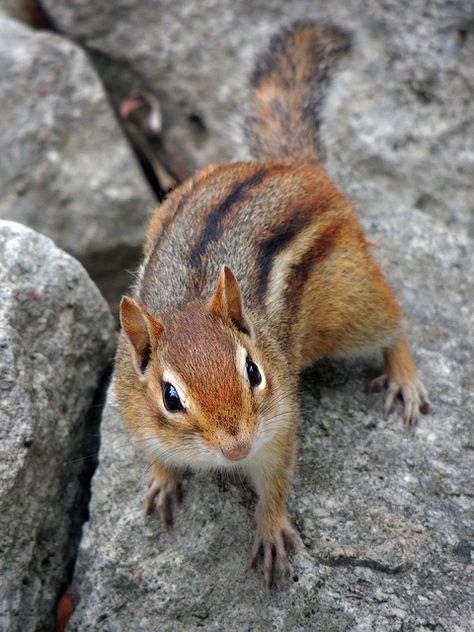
(264, 434)
(206, 454)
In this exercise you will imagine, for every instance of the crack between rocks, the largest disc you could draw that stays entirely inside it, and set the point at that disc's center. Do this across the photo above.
(354, 562)
(89, 456)
(99, 59)
(94, 55)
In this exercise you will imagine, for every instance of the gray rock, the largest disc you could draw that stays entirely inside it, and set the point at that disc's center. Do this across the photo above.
(384, 513)
(401, 115)
(56, 339)
(65, 167)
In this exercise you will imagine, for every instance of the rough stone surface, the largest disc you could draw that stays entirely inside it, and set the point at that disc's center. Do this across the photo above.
(65, 167)
(404, 107)
(385, 514)
(56, 338)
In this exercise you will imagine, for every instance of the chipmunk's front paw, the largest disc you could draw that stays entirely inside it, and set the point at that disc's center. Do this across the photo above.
(413, 393)
(162, 493)
(274, 546)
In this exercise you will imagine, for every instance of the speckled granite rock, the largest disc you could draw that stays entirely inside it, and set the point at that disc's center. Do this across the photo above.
(56, 339)
(385, 514)
(400, 116)
(65, 167)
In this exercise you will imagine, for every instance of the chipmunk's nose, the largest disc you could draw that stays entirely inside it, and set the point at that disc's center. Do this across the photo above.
(236, 451)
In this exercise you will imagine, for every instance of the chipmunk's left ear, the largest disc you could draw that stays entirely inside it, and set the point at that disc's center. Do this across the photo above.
(227, 301)
(143, 332)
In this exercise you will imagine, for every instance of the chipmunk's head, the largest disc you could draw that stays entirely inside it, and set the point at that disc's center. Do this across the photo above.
(209, 395)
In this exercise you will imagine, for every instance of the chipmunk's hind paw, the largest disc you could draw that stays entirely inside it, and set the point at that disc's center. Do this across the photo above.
(413, 393)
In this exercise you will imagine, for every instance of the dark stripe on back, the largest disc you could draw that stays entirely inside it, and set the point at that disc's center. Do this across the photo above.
(215, 220)
(282, 234)
(292, 222)
(187, 192)
(320, 249)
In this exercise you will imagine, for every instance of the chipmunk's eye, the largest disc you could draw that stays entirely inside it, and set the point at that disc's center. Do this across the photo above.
(171, 398)
(253, 373)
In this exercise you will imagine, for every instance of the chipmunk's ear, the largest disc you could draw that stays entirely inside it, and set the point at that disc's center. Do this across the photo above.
(142, 330)
(227, 301)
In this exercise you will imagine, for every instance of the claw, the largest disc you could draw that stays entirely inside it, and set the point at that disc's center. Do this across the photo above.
(179, 493)
(255, 553)
(154, 490)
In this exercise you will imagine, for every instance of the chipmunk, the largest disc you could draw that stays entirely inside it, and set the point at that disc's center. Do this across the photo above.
(251, 272)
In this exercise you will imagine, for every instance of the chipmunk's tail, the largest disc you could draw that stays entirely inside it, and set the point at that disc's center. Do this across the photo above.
(289, 85)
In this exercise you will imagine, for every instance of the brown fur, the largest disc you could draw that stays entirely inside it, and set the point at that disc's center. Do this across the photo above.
(261, 263)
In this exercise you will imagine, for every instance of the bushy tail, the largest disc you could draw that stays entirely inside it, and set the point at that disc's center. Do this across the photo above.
(289, 85)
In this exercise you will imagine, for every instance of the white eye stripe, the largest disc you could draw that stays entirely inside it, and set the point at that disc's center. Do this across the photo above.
(241, 361)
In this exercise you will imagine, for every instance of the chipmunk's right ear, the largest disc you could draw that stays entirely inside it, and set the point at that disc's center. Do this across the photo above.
(143, 332)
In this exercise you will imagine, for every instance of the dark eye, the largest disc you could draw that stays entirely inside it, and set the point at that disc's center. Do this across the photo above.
(253, 373)
(171, 398)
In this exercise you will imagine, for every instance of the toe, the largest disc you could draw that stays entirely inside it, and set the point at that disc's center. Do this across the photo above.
(150, 499)
(179, 493)
(268, 563)
(378, 384)
(411, 404)
(257, 545)
(410, 415)
(393, 391)
(289, 538)
(165, 509)
(426, 407)
(281, 557)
